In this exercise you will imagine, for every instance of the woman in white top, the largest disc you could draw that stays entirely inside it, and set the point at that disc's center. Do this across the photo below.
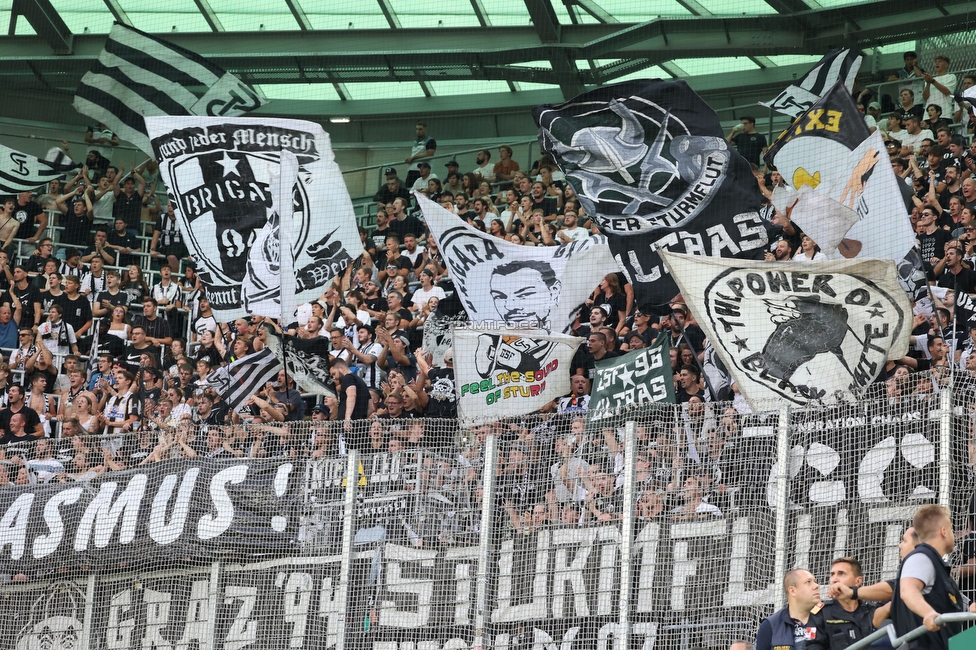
(117, 326)
(84, 410)
(808, 251)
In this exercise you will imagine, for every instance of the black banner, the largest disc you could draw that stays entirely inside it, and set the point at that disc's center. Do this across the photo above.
(649, 162)
(177, 511)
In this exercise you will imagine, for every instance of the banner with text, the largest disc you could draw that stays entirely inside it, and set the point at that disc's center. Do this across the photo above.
(794, 330)
(639, 377)
(220, 174)
(514, 372)
(178, 509)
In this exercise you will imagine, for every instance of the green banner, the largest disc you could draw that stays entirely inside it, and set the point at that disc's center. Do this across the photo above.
(639, 377)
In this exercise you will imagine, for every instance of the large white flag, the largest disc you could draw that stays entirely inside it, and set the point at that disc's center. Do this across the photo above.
(502, 284)
(509, 372)
(805, 332)
(223, 174)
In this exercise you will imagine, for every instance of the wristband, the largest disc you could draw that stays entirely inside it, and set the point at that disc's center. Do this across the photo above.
(854, 593)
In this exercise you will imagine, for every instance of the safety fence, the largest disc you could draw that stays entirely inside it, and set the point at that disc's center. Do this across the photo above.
(661, 528)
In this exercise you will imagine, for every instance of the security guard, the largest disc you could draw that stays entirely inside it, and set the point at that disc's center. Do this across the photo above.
(925, 587)
(799, 625)
(847, 621)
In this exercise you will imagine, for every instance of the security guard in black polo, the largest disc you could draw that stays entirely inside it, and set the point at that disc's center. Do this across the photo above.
(849, 620)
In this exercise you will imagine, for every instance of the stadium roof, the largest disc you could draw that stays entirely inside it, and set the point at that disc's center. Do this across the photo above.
(345, 57)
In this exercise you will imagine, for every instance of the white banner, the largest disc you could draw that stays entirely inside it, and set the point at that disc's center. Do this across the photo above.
(502, 284)
(220, 174)
(514, 372)
(795, 330)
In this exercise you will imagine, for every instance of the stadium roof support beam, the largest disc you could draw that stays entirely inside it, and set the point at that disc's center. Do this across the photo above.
(45, 20)
(208, 14)
(548, 30)
(595, 10)
(298, 12)
(118, 12)
(788, 6)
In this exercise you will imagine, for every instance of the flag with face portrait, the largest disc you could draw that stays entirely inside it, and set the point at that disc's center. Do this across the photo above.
(509, 372)
(650, 164)
(800, 331)
(222, 174)
(502, 284)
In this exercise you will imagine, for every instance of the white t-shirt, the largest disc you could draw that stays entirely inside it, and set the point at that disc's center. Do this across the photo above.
(103, 207)
(421, 296)
(576, 234)
(486, 171)
(938, 97)
(801, 257)
(420, 184)
(915, 141)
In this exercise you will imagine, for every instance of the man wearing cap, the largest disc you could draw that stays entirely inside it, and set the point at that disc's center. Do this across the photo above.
(873, 117)
(374, 304)
(392, 189)
(72, 263)
(420, 184)
(423, 147)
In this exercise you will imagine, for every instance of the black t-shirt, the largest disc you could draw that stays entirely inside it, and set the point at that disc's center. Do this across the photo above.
(125, 240)
(77, 312)
(120, 299)
(360, 409)
(128, 208)
(77, 230)
(750, 146)
(933, 246)
(27, 298)
(133, 355)
(35, 263)
(33, 419)
(547, 203)
(25, 215)
(964, 281)
(411, 225)
(379, 238)
(616, 302)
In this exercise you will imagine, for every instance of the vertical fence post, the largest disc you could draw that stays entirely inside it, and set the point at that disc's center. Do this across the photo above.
(484, 541)
(627, 535)
(782, 499)
(86, 625)
(348, 535)
(945, 446)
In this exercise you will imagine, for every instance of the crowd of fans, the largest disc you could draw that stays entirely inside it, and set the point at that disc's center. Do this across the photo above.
(158, 340)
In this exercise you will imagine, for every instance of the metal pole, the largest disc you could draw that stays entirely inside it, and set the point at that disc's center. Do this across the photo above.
(627, 534)
(782, 499)
(86, 626)
(945, 444)
(484, 540)
(348, 535)
(958, 617)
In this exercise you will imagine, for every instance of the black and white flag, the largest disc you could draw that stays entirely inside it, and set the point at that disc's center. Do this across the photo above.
(640, 377)
(649, 162)
(502, 284)
(241, 379)
(509, 372)
(837, 65)
(840, 188)
(794, 330)
(306, 361)
(223, 176)
(21, 172)
(138, 75)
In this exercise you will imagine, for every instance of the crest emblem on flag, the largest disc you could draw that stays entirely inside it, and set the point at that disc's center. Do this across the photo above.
(636, 165)
(789, 331)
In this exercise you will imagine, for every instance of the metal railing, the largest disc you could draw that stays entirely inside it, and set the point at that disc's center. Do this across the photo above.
(898, 641)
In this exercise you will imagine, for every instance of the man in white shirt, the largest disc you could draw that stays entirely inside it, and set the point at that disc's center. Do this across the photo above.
(571, 230)
(420, 185)
(940, 87)
(911, 139)
(485, 169)
(426, 291)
